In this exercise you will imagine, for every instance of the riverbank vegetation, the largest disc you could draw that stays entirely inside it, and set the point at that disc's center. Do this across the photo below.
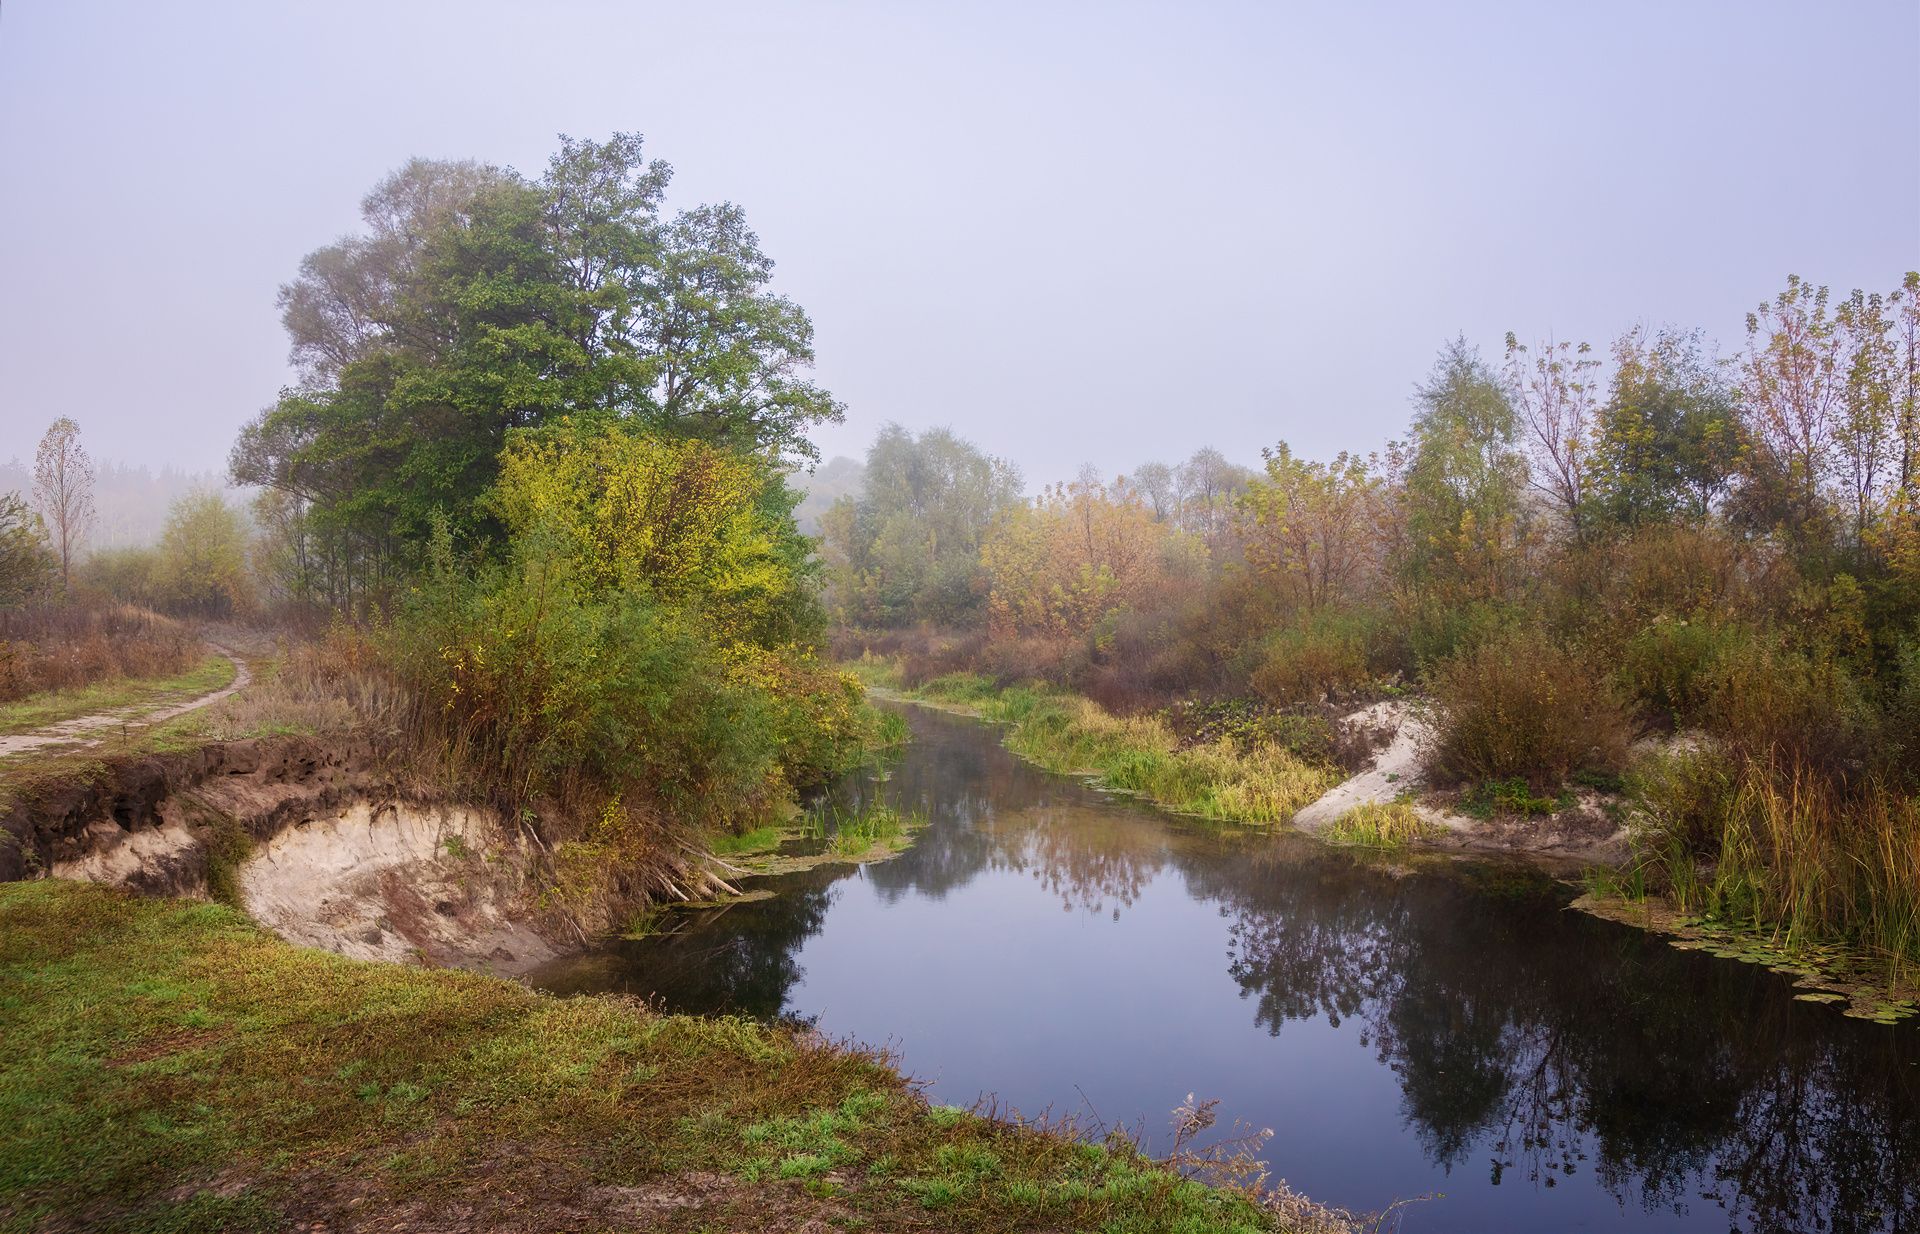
(527, 516)
(270, 1083)
(1569, 560)
(1249, 781)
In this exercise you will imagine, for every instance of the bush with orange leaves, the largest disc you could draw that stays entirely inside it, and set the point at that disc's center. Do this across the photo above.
(1063, 566)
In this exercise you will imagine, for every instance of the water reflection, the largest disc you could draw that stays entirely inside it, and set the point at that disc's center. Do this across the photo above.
(1404, 1029)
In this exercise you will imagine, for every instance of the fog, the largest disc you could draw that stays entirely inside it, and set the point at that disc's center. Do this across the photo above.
(1075, 233)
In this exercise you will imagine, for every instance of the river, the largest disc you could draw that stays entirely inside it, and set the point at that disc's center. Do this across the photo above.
(1403, 1027)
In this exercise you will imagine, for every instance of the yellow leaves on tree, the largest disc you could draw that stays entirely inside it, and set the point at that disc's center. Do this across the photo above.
(680, 519)
(1078, 553)
(1312, 529)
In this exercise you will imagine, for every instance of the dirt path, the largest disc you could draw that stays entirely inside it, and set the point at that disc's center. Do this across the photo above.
(78, 734)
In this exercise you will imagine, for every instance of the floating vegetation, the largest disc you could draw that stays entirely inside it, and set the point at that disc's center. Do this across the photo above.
(1824, 973)
(822, 836)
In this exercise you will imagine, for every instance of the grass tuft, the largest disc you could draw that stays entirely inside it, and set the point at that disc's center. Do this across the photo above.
(1375, 824)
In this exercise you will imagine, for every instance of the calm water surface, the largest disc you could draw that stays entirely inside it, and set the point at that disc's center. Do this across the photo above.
(1452, 1028)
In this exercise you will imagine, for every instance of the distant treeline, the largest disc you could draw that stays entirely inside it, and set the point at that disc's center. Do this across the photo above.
(131, 500)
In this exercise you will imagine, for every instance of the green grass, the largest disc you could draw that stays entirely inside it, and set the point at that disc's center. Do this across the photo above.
(874, 831)
(1514, 796)
(169, 1066)
(1378, 824)
(759, 840)
(874, 671)
(889, 732)
(147, 694)
(1223, 780)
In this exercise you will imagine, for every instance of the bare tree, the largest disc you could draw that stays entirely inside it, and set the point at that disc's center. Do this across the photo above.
(1557, 398)
(63, 490)
(1155, 482)
(1792, 388)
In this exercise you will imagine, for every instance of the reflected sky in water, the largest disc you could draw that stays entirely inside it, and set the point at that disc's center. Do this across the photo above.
(1450, 1027)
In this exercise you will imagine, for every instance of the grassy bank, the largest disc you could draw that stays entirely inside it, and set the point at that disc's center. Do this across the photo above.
(1222, 779)
(170, 1067)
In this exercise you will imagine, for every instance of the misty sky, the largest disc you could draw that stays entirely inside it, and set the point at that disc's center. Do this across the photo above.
(1075, 233)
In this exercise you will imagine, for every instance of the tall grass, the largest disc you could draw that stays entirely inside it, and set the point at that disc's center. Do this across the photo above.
(1141, 754)
(1774, 844)
(67, 646)
(1380, 824)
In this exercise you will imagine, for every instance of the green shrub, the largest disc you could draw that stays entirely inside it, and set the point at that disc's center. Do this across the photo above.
(1518, 706)
(1671, 665)
(1435, 630)
(1515, 796)
(1325, 656)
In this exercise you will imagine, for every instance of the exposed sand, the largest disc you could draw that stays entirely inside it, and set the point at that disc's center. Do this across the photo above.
(396, 883)
(1581, 835)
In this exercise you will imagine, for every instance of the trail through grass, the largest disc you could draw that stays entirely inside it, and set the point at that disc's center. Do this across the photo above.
(125, 694)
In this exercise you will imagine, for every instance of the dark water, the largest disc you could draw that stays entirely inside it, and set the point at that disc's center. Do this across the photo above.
(1452, 1028)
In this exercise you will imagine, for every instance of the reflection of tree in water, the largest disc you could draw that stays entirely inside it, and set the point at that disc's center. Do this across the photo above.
(1536, 1040)
(1538, 1036)
(741, 959)
(1093, 858)
(987, 811)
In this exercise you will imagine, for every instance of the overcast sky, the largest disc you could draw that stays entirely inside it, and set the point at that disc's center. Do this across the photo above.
(1075, 233)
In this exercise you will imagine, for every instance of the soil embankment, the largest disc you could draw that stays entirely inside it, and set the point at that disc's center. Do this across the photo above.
(309, 837)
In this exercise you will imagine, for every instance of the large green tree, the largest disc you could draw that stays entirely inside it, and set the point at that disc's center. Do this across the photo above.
(1667, 445)
(479, 302)
(1463, 484)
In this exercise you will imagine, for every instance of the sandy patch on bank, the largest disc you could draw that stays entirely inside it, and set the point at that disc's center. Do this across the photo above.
(398, 883)
(1581, 834)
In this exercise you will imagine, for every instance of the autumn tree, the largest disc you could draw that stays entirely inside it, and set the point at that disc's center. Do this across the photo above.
(1793, 391)
(1078, 554)
(1906, 385)
(1311, 526)
(687, 523)
(63, 491)
(202, 566)
(1867, 432)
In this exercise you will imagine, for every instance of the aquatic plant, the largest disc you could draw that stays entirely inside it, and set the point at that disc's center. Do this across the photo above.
(1380, 824)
